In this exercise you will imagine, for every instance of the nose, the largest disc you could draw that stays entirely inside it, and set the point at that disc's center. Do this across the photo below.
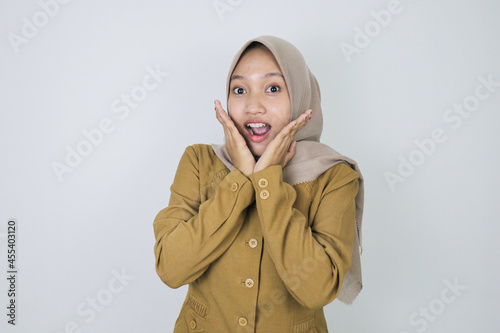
(255, 105)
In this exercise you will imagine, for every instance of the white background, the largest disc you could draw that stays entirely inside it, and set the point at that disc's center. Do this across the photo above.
(438, 226)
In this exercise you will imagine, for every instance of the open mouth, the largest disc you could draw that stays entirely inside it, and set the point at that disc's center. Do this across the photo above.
(257, 131)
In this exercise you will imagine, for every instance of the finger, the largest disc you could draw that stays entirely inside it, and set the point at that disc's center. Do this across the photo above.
(223, 117)
(289, 128)
(219, 110)
(291, 152)
(302, 121)
(219, 119)
(284, 139)
(296, 125)
(305, 117)
(219, 116)
(286, 136)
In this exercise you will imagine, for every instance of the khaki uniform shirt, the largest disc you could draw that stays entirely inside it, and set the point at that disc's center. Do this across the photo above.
(259, 255)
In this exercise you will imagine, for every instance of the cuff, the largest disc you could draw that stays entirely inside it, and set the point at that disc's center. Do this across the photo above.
(268, 181)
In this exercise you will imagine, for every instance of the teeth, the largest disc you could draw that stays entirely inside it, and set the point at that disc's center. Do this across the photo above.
(256, 125)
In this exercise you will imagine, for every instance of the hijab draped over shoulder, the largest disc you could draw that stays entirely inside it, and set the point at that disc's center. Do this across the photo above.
(312, 158)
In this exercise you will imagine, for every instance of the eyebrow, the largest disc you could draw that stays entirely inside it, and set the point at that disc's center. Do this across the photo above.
(241, 77)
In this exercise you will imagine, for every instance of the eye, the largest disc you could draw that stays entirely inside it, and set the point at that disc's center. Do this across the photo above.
(239, 91)
(273, 89)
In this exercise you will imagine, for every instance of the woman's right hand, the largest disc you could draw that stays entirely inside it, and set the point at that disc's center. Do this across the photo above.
(237, 148)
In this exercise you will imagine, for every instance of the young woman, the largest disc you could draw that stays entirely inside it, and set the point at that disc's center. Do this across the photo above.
(265, 229)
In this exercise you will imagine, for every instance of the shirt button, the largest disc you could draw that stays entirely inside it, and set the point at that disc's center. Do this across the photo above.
(243, 321)
(264, 194)
(263, 182)
(234, 187)
(192, 324)
(253, 243)
(249, 283)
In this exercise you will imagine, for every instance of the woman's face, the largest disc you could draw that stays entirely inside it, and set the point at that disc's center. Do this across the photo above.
(258, 101)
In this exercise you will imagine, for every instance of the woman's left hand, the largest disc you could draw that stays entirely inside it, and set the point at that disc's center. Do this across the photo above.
(281, 150)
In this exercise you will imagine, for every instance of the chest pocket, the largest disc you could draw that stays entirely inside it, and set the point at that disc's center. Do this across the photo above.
(308, 326)
(192, 317)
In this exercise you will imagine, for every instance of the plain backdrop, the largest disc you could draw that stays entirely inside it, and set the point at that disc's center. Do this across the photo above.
(391, 73)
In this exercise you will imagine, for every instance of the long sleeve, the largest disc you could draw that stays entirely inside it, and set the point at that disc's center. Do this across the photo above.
(191, 234)
(311, 254)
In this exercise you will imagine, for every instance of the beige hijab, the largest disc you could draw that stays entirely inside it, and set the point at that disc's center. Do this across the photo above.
(312, 158)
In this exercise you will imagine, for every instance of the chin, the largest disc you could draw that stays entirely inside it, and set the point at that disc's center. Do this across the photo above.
(258, 150)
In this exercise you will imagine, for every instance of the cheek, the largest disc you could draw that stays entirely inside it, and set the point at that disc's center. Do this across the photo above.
(286, 110)
(232, 105)
(285, 115)
(238, 122)
(234, 112)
